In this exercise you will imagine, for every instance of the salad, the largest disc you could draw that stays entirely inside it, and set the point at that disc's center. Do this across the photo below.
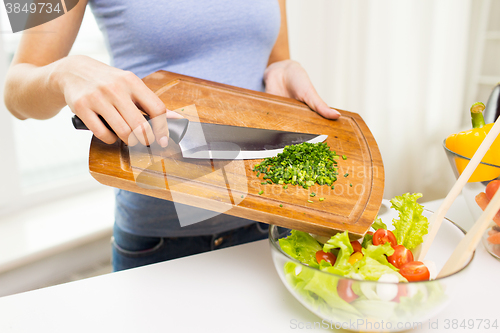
(382, 254)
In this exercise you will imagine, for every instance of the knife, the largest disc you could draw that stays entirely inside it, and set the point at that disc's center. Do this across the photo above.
(214, 141)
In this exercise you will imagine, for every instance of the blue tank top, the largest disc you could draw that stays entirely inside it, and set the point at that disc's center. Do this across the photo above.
(225, 41)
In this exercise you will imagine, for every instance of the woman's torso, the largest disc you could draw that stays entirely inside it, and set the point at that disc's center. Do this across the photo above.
(227, 41)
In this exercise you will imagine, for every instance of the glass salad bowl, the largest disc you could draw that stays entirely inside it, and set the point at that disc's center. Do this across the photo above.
(484, 173)
(372, 306)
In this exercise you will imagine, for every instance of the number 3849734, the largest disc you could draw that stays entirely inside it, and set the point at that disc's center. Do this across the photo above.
(33, 8)
(470, 324)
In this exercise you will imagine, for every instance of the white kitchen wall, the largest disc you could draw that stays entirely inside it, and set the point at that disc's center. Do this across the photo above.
(400, 64)
(55, 219)
(483, 70)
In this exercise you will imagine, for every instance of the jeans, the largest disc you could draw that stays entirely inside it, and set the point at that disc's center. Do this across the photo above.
(129, 250)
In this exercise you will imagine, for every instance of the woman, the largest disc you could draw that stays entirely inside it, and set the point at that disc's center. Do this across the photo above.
(240, 43)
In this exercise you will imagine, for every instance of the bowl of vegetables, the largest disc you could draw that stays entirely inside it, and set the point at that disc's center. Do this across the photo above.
(484, 174)
(477, 195)
(374, 284)
(485, 180)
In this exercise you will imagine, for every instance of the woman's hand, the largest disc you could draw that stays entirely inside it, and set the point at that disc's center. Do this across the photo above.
(288, 78)
(91, 88)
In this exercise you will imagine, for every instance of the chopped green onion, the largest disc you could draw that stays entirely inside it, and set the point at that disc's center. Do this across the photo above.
(281, 205)
(309, 201)
(344, 157)
(346, 175)
(305, 165)
(312, 194)
(263, 183)
(260, 192)
(321, 199)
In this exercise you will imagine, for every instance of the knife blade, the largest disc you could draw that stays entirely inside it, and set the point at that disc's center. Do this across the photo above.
(215, 141)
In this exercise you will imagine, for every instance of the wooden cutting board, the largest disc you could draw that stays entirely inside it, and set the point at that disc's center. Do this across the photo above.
(231, 186)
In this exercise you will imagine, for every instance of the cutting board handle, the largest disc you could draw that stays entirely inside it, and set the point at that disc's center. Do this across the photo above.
(176, 127)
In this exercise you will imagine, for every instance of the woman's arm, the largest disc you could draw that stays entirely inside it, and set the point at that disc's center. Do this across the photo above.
(281, 50)
(42, 79)
(285, 77)
(30, 89)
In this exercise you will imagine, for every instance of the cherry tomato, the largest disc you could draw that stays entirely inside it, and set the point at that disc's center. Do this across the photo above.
(483, 201)
(415, 271)
(356, 246)
(326, 256)
(344, 288)
(400, 256)
(382, 236)
(492, 188)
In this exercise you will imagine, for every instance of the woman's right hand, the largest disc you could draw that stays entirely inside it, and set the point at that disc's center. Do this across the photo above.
(92, 88)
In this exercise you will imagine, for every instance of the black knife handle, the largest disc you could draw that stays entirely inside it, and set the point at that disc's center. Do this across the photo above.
(176, 127)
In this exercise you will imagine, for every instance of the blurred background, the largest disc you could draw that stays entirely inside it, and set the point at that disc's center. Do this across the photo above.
(410, 68)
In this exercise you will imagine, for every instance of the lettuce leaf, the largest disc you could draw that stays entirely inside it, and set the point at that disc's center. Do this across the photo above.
(379, 253)
(378, 224)
(371, 269)
(411, 226)
(367, 240)
(325, 286)
(301, 246)
(341, 241)
(374, 263)
(318, 289)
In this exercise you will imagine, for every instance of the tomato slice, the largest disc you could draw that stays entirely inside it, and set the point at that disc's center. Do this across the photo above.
(344, 288)
(382, 236)
(400, 256)
(356, 246)
(492, 188)
(415, 271)
(326, 256)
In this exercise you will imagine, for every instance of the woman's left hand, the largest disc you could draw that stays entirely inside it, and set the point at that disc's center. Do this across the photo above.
(288, 78)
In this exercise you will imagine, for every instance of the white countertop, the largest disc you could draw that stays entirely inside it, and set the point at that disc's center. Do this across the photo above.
(229, 290)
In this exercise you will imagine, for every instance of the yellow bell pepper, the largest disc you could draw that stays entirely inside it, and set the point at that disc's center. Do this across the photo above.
(467, 142)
